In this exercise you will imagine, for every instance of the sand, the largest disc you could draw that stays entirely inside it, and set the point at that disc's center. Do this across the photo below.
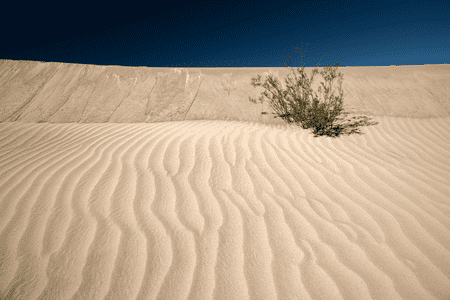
(224, 210)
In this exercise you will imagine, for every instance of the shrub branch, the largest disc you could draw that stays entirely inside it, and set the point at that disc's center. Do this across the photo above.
(297, 104)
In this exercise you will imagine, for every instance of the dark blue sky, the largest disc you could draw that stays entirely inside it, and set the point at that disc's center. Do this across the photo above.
(229, 33)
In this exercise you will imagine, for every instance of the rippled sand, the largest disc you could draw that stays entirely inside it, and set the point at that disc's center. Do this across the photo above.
(224, 210)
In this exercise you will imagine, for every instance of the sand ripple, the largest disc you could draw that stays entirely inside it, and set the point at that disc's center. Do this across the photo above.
(224, 210)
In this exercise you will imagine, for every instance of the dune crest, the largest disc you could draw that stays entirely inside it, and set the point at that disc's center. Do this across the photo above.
(33, 91)
(224, 210)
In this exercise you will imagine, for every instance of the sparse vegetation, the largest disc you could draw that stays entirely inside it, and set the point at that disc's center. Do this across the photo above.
(297, 104)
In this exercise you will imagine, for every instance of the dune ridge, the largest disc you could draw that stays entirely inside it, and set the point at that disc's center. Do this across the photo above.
(33, 91)
(224, 210)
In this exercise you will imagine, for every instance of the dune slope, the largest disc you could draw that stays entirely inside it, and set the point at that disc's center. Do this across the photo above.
(224, 210)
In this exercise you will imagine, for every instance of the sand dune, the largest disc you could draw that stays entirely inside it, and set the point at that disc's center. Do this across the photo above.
(33, 91)
(224, 210)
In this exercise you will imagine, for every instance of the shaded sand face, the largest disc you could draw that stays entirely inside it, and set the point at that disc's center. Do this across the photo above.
(224, 210)
(53, 92)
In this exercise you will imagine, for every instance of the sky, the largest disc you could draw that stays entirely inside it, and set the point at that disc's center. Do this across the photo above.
(230, 33)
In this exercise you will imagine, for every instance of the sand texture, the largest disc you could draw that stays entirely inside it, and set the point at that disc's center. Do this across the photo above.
(224, 210)
(143, 183)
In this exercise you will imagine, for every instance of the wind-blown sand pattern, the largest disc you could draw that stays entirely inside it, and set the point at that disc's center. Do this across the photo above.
(224, 210)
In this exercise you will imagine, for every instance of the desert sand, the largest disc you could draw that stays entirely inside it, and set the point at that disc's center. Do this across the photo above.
(222, 209)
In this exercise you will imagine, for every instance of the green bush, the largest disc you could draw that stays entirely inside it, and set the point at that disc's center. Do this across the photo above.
(297, 104)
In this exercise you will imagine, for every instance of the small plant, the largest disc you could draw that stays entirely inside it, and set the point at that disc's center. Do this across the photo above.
(297, 104)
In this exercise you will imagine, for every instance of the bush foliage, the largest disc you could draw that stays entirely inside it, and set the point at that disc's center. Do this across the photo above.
(297, 104)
